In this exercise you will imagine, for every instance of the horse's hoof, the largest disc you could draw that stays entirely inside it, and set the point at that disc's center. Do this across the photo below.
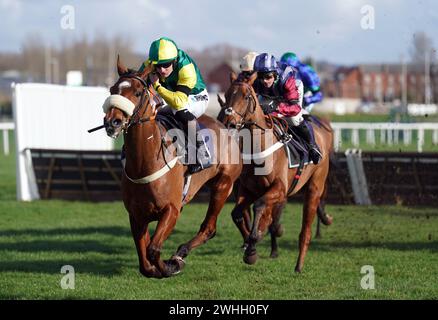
(181, 252)
(280, 230)
(151, 273)
(298, 269)
(274, 255)
(250, 259)
(175, 265)
(326, 219)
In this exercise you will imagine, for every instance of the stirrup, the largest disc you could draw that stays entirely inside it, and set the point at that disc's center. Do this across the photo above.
(314, 152)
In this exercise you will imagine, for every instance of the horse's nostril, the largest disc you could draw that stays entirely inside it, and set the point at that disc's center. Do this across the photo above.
(116, 122)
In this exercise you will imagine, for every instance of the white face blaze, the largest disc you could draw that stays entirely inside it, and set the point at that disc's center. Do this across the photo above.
(124, 84)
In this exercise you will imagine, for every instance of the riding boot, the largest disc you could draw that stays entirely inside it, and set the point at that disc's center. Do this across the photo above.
(197, 155)
(305, 130)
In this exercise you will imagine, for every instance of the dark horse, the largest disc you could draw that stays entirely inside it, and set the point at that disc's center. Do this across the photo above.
(269, 192)
(153, 180)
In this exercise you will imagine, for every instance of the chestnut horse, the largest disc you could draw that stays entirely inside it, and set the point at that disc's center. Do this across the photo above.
(153, 182)
(269, 192)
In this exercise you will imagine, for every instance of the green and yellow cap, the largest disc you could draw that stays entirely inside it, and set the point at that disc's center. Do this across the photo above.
(163, 50)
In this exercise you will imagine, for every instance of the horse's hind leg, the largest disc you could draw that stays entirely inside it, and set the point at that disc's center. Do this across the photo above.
(311, 202)
(276, 229)
(165, 226)
(141, 237)
(220, 191)
(323, 217)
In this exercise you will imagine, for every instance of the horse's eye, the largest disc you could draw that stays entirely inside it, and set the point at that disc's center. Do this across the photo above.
(138, 94)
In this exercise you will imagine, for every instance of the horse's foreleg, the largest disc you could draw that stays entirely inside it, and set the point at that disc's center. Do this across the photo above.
(276, 229)
(263, 210)
(318, 227)
(165, 226)
(141, 237)
(218, 195)
(240, 213)
(247, 218)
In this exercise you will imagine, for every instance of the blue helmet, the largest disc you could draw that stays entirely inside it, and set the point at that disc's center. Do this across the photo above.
(265, 62)
(291, 59)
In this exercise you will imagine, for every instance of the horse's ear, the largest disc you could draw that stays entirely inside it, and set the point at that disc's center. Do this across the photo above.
(252, 78)
(146, 70)
(233, 76)
(221, 102)
(121, 69)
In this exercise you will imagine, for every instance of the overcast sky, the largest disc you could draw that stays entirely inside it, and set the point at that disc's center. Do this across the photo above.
(325, 29)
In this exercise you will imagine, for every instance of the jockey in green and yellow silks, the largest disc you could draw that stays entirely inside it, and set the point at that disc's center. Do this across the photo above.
(177, 79)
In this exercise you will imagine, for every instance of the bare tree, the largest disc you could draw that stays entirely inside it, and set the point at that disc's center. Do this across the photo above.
(421, 44)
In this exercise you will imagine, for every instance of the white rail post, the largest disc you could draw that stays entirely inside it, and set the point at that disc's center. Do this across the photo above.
(337, 139)
(435, 137)
(371, 138)
(420, 140)
(6, 141)
(355, 137)
(389, 140)
(407, 137)
(382, 136)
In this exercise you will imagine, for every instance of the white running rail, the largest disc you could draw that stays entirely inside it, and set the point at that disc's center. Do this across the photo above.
(389, 133)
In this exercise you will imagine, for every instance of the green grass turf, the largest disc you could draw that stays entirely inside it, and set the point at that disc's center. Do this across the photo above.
(38, 238)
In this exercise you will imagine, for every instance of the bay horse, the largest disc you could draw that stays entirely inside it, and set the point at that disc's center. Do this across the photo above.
(269, 192)
(152, 184)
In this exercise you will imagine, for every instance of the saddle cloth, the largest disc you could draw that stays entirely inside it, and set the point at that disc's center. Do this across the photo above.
(167, 120)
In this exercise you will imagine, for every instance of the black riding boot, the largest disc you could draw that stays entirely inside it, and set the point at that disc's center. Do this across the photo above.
(305, 130)
(197, 156)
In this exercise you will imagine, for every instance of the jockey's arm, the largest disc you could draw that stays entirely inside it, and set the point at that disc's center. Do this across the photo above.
(315, 97)
(178, 99)
(290, 104)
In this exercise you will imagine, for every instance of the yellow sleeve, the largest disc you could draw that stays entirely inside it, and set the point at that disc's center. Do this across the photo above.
(186, 80)
(187, 76)
(176, 100)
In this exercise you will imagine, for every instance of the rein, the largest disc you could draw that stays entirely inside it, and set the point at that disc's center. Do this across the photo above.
(136, 118)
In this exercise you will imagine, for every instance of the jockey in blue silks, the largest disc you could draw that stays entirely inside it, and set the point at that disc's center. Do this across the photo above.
(311, 82)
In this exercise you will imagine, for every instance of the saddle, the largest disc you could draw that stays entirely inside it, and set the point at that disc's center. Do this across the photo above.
(167, 120)
(294, 145)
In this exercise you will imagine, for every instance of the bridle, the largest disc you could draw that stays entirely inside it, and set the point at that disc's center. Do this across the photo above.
(250, 108)
(136, 117)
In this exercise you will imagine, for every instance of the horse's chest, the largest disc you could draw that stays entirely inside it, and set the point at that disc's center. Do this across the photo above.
(149, 197)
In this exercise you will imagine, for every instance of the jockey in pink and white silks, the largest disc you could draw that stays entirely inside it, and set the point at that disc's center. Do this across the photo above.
(281, 91)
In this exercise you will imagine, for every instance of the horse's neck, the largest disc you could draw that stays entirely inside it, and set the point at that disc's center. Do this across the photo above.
(142, 147)
(261, 134)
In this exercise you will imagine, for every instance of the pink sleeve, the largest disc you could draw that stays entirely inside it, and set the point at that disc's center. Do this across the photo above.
(290, 109)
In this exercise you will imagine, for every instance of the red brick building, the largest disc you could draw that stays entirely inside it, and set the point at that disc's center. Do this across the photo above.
(379, 83)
